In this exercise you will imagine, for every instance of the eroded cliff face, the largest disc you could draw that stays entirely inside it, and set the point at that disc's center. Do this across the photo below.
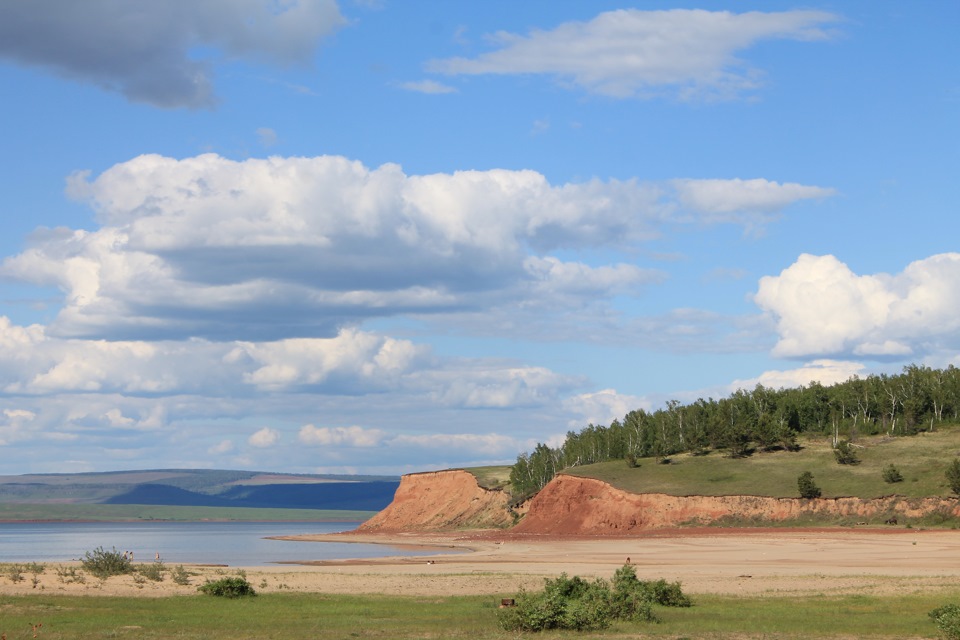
(570, 505)
(442, 501)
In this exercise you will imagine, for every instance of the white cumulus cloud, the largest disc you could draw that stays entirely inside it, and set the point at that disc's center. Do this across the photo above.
(826, 372)
(264, 438)
(602, 407)
(631, 52)
(300, 247)
(743, 201)
(821, 307)
(341, 436)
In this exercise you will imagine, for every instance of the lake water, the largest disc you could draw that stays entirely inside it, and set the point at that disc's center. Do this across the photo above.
(231, 543)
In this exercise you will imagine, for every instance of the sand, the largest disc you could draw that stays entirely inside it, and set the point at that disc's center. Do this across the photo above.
(768, 562)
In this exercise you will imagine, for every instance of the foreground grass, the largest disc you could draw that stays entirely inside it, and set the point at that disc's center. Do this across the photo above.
(922, 459)
(136, 513)
(303, 616)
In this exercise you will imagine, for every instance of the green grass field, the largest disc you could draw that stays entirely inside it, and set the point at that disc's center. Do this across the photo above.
(133, 513)
(494, 477)
(922, 459)
(303, 616)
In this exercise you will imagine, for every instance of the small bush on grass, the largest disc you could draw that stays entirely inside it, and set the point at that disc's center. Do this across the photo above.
(574, 603)
(228, 588)
(891, 474)
(104, 564)
(953, 476)
(947, 619)
(845, 453)
(807, 487)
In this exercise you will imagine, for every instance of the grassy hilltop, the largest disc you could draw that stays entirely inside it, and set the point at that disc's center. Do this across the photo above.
(921, 459)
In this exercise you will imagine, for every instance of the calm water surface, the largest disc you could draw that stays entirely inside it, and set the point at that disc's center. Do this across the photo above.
(230, 543)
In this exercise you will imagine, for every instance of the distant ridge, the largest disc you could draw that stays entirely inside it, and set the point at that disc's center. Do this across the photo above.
(203, 488)
(351, 496)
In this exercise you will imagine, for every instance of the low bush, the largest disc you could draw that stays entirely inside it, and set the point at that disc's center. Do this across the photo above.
(807, 487)
(103, 564)
(845, 453)
(180, 576)
(891, 474)
(236, 587)
(69, 575)
(573, 603)
(947, 619)
(153, 571)
(14, 572)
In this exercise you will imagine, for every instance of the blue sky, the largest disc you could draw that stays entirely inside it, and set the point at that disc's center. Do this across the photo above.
(380, 237)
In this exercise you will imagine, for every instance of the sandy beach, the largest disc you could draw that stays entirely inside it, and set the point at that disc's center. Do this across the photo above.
(769, 562)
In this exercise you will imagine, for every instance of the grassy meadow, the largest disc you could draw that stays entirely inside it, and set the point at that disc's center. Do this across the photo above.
(922, 460)
(312, 616)
(493, 477)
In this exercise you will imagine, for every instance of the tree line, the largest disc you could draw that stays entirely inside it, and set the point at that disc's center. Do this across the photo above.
(763, 418)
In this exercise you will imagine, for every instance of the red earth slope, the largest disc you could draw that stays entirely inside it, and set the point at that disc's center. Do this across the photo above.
(570, 505)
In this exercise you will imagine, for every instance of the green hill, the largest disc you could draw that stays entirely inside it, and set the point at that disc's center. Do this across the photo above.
(921, 459)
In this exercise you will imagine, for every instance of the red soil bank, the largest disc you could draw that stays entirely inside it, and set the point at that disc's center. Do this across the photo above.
(570, 505)
(442, 501)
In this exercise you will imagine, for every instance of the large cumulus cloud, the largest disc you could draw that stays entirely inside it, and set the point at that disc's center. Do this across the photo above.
(144, 50)
(823, 308)
(284, 247)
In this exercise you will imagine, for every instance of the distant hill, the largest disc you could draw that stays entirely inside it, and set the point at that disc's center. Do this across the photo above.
(204, 488)
(347, 496)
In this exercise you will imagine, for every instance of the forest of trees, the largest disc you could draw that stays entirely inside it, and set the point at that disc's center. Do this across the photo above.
(760, 419)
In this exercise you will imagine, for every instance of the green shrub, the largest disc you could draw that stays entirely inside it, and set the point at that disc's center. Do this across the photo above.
(574, 603)
(69, 575)
(228, 588)
(845, 453)
(153, 571)
(180, 576)
(891, 474)
(953, 476)
(808, 488)
(947, 619)
(104, 564)
(14, 572)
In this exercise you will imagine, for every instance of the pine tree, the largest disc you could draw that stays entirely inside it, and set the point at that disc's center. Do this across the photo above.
(808, 488)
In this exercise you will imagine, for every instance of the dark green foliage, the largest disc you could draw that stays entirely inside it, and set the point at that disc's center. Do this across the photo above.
(760, 419)
(808, 488)
(574, 603)
(631, 461)
(236, 587)
(953, 476)
(845, 454)
(947, 619)
(891, 474)
(103, 564)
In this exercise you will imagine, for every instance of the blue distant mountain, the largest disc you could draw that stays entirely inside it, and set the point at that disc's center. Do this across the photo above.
(203, 488)
(353, 496)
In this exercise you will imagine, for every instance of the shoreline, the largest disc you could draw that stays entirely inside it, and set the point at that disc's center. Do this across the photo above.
(767, 562)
